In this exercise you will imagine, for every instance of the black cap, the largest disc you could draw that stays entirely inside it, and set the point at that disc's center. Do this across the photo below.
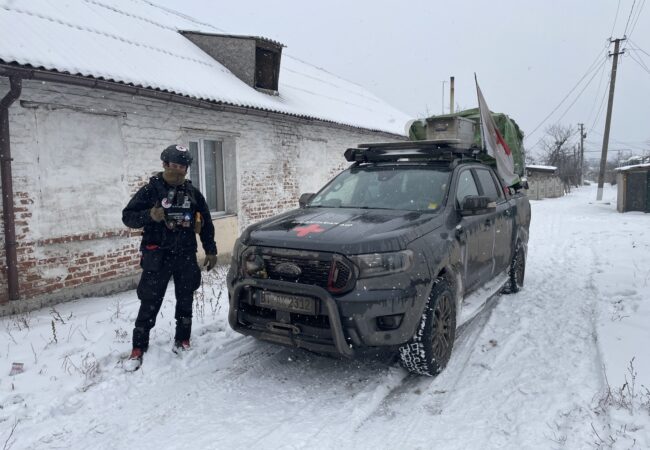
(177, 154)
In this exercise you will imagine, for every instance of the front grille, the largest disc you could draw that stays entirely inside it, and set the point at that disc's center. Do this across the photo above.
(312, 272)
(327, 270)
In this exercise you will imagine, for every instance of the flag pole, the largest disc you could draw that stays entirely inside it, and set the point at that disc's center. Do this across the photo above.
(480, 117)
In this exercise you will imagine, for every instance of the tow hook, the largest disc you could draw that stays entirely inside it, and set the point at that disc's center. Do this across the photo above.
(277, 326)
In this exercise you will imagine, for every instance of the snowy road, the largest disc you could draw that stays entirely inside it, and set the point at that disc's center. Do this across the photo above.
(525, 373)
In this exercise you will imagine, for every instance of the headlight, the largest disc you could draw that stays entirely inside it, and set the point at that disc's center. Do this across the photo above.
(252, 264)
(377, 264)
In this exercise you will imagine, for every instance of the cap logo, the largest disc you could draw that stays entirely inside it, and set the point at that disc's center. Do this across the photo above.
(180, 148)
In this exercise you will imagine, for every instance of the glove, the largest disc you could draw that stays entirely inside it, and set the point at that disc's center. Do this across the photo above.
(209, 262)
(157, 213)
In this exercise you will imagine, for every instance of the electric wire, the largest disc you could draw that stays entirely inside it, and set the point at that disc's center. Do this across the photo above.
(636, 47)
(643, 66)
(611, 33)
(629, 17)
(602, 103)
(600, 83)
(636, 19)
(595, 72)
(640, 60)
(636, 145)
(580, 93)
(591, 68)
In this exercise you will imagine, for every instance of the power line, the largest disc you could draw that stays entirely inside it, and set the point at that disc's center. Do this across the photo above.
(635, 46)
(572, 103)
(636, 20)
(629, 17)
(611, 33)
(589, 70)
(643, 66)
(602, 103)
(600, 82)
(579, 94)
(628, 143)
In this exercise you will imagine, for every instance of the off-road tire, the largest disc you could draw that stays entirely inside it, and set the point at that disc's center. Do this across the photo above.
(429, 350)
(516, 271)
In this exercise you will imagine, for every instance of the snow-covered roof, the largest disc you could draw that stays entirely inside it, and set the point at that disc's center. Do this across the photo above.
(634, 166)
(544, 168)
(136, 42)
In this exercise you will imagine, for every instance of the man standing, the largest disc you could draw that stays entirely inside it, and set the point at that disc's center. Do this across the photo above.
(171, 210)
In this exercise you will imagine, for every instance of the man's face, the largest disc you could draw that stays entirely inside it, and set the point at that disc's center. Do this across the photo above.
(179, 169)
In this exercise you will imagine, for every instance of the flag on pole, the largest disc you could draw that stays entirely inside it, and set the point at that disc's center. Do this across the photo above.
(495, 145)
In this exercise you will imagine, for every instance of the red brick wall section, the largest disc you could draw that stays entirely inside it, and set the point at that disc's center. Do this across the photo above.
(82, 264)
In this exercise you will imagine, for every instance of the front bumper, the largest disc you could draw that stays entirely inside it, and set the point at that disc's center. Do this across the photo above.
(340, 323)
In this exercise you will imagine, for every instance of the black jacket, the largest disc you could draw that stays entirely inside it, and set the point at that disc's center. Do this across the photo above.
(183, 201)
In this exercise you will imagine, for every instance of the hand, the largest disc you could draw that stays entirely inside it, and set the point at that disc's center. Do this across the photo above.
(157, 213)
(209, 262)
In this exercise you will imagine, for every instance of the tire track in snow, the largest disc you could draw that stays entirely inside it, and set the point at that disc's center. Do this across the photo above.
(423, 395)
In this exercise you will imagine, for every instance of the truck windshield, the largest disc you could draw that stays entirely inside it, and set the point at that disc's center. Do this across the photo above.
(413, 188)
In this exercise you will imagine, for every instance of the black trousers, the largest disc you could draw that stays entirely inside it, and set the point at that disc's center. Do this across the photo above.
(158, 267)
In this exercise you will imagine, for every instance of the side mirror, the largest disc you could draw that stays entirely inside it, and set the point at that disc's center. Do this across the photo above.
(305, 198)
(476, 204)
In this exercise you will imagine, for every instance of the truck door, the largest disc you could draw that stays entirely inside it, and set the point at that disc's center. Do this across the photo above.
(503, 218)
(475, 235)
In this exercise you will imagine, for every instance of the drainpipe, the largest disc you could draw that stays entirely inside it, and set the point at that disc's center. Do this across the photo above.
(7, 187)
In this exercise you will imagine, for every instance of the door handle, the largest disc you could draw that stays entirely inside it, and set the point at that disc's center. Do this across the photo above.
(488, 222)
(460, 233)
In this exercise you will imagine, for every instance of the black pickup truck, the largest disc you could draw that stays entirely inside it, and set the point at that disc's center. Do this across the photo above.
(385, 255)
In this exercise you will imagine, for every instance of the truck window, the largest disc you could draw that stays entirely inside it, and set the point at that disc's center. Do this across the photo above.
(466, 186)
(487, 184)
(411, 188)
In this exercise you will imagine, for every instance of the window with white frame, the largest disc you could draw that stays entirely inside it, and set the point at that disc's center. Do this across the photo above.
(208, 174)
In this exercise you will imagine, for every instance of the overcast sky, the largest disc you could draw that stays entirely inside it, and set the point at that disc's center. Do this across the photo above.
(528, 56)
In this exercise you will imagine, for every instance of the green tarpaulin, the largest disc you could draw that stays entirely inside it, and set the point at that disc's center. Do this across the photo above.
(508, 128)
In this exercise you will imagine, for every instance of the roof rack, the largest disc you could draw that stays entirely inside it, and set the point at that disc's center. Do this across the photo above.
(439, 149)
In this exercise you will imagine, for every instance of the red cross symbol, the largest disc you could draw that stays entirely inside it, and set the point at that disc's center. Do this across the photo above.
(304, 231)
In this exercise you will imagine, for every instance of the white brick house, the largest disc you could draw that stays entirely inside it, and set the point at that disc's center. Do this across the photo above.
(89, 107)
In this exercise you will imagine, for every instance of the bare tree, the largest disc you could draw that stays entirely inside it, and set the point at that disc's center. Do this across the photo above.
(560, 150)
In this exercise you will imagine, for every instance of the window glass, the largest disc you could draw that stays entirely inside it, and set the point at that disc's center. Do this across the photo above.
(195, 173)
(466, 186)
(487, 183)
(213, 168)
(388, 187)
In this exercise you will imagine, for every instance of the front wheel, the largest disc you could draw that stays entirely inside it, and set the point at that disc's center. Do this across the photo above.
(429, 350)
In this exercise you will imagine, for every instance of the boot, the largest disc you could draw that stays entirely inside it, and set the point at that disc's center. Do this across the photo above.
(134, 361)
(181, 346)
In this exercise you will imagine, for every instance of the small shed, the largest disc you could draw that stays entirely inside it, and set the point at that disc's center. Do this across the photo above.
(543, 182)
(633, 188)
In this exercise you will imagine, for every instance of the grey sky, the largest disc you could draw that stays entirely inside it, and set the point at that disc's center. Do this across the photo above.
(527, 55)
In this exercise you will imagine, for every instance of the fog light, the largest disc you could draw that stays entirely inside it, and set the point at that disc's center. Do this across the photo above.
(389, 322)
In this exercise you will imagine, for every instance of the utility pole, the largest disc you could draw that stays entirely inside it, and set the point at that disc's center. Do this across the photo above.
(443, 96)
(608, 121)
(583, 136)
(451, 95)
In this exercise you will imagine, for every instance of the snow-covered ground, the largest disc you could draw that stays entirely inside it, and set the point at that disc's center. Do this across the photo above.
(559, 365)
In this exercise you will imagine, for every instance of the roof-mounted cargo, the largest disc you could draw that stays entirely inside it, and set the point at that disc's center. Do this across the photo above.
(441, 149)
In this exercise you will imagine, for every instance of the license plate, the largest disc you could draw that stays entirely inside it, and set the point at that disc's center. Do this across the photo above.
(288, 302)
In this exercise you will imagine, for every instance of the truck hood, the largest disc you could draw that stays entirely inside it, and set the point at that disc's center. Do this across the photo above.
(342, 230)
